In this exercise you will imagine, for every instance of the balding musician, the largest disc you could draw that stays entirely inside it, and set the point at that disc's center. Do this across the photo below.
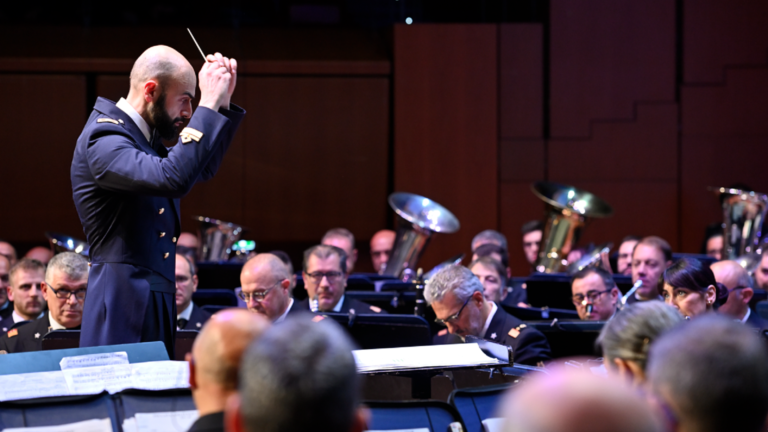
(215, 361)
(737, 281)
(266, 287)
(42, 254)
(381, 249)
(126, 186)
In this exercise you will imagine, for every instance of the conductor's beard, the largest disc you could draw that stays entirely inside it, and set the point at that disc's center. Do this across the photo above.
(163, 123)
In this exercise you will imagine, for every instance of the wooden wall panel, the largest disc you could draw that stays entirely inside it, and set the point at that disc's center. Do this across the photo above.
(605, 56)
(446, 125)
(518, 206)
(37, 155)
(521, 60)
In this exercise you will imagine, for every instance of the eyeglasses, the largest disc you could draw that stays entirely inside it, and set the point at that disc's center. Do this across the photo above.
(257, 296)
(332, 276)
(455, 316)
(578, 299)
(736, 288)
(63, 294)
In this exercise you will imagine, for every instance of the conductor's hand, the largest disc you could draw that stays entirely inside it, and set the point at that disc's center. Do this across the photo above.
(217, 82)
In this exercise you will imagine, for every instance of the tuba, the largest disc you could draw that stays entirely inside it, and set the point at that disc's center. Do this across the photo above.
(419, 218)
(743, 217)
(216, 239)
(568, 209)
(64, 243)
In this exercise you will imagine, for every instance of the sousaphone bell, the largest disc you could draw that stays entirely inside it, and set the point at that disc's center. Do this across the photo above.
(216, 239)
(64, 243)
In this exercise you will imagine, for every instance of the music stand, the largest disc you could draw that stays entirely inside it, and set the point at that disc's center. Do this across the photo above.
(569, 338)
(384, 331)
(532, 313)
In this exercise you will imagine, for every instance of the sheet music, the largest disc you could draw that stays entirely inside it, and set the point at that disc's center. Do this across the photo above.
(176, 421)
(90, 360)
(93, 380)
(468, 354)
(32, 385)
(160, 375)
(103, 425)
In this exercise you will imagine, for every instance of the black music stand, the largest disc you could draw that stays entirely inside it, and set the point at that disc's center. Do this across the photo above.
(384, 331)
(218, 275)
(532, 313)
(218, 297)
(568, 338)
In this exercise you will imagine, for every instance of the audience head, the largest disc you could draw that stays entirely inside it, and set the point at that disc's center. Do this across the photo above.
(761, 272)
(186, 282)
(492, 275)
(214, 363)
(381, 248)
(573, 400)
(187, 239)
(266, 286)
(299, 376)
(288, 265)
(624, 260)
(532, 234)
(325, 275)
(26, 278)
(651, 256)
(64, 288)
(456, 296)
(343, 239)
(736, 280)
(691, 288)
(595, 287)
(42, 254)
(5, 268)
(711, 375)
(9, 251)
(627, 338)
(489, 237)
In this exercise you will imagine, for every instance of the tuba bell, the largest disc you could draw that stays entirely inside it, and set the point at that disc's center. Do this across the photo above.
(216, 239)
(567, 210)
(743, 217)
(419, 219)
(64, 243)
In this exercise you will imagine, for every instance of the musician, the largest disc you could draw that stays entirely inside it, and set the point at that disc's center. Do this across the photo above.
(187, 245)
(627, 338)
(651, 256)
(127, 185)
(595, 295)
(288, 265)
(740, 293)
(533, 232)
(761, 272)
(6, 306)
(456, 296)
(191, 316)
(714, 246)
(25, 277)
(42, 254)
(624, 259)
(691, 288)
(64, 289)
(381, 249)
(489, 237)
(8, 251)
(492, 275)
(343, 239)
(512, 294)
(325, 279)
(266, 287)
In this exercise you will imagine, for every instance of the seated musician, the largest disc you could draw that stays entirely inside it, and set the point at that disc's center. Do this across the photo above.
(8, 251)
(626, 339)
(493, 277)
(651, 256)
(25, 293)
(761, 272)
(6, 306)
(737, 282)
(325, 278)
(595, 295)
(512, 294)
(456, 296)
(190, 316)
(343, 239)
(266, 287)
(532, 232)
(382, 244)
(40, 253)
(624, 259)
(64, 288)
(489, 237)
(691, 288)
(713, 244)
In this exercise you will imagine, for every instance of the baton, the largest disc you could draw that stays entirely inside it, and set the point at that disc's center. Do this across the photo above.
(197, 44)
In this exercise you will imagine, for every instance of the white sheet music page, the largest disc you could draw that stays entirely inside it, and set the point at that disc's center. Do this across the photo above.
(160, 375)
(90, 360)
(103, 425)
(32, 385)
(422, 357)
(93, 380)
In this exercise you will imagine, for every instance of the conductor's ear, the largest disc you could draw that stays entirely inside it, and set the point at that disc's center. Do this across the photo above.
(233, 421)
(151, 91)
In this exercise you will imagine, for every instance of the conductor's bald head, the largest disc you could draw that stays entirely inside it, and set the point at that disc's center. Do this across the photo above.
(162, 88)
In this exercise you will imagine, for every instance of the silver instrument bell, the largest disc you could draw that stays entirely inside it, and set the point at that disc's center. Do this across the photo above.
(590, 259)
(419, 218)
(568, 208)
(743, 218)
(64, 243)
(216, 239)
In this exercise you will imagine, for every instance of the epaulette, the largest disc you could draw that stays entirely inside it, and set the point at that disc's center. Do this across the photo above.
(376, 309)
(108, 120)
(515, 332)
(442, 332)
(12, 332)
(188, 135)
(318, 318)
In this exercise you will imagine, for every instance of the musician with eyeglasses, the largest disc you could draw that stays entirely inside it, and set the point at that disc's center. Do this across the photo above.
(595, 295)
(266, 287)
(325, 279)
(64, 289)
(740, 292)
(456, 296)
(191, 316)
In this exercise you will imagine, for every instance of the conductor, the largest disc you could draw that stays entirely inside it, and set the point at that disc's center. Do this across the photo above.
(127, 185)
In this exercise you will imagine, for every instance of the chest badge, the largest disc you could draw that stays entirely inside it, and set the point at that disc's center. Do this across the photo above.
(37, 335)
(493, 335)
(188, 135)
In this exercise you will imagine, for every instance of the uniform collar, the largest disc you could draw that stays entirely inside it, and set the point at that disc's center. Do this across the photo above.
(285, 314)
(186, 313)
(54, 325)
(5, 305)
(746, 315)
(19, 318)
(338, 306)
(490, 317)
(134, 115)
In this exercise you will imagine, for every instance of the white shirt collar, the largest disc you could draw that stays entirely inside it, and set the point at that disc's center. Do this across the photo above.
(281, 318)
(134, 115)
(337, 308)
(19, 318)
(186, 313)
(5, 305)
(488, 320)
(746, 316)
(55, 324)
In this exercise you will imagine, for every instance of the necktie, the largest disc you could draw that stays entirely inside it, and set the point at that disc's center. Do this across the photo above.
(182, 323)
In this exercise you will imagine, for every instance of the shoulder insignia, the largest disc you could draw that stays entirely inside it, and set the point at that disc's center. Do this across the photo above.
(376, 309)
(107, 120)
(318, 318)
(442, 332)
(199, 325)
(515, 332)
(13, 332)
(188, 135)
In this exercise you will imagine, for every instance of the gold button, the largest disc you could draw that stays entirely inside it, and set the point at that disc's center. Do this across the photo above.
(162, 210)
(162, 234)
(173, 239)
(165, 255)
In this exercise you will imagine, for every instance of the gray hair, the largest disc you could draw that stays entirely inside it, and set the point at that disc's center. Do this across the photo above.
(606, 277)
(340, 232)
(75, 266)
(297, 376)
(629, 334)
(490, 236)
(323, 252)
(715, 371)
(454, 277)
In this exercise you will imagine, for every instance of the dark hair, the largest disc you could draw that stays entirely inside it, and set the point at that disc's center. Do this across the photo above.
(630, 238)
(713, 230)
(486, 250)
(531, 226)
(323, 252)
(657, 242)
(604, 275)
(494, 264)
(691, 274)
